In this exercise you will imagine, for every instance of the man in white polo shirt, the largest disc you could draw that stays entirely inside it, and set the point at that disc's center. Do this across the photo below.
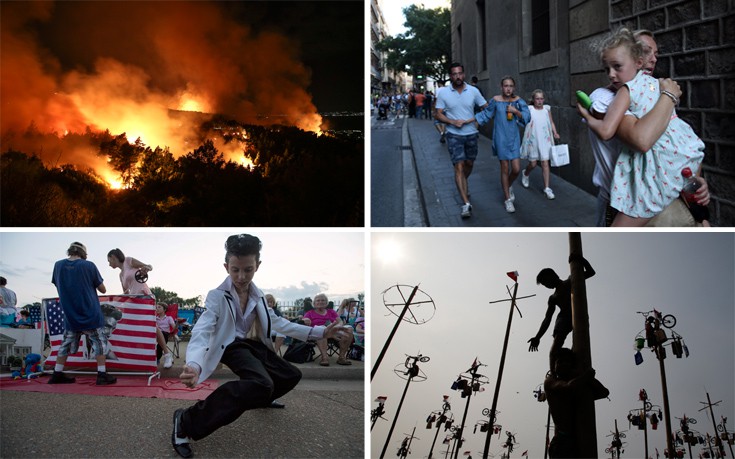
(454, 105)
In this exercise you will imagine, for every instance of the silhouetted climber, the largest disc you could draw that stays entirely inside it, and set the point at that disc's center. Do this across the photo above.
(562, 297)
(565, 387)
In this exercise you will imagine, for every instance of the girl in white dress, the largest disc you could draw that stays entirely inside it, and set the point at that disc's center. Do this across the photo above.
(537, 141)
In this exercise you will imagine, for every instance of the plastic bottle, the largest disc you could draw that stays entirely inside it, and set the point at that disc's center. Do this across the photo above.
(509, 114)
(584, 100)
(691, 185)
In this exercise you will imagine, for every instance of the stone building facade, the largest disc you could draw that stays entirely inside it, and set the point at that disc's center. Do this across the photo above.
(548, 44)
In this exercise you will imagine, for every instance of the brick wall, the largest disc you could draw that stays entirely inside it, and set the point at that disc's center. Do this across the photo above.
(696, 40)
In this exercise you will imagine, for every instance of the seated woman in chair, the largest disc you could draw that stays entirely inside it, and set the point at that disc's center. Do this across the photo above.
(164, 326)
(320, 315)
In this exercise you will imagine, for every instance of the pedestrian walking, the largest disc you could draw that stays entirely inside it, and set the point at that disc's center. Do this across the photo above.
(428, 104)
(438, 125)
(538, 138)
(419, 99)
(455, 106)
(509, 112)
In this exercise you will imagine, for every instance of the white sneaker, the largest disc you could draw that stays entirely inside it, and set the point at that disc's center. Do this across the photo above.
(509, 207)
(524, 179)
(511, 194)
(466, 210)
(549, 193)
(168, 360)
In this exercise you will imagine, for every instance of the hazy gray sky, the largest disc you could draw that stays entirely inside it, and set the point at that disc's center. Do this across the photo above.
(393, 12)
(295, 264)
(689, 275)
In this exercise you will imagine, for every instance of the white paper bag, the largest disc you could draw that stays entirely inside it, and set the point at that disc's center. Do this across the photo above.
(559, 155)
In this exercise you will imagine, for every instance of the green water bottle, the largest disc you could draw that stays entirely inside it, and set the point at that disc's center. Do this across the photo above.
(584, 100)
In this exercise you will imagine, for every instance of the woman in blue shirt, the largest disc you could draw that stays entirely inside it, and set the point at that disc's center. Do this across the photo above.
(512, 112)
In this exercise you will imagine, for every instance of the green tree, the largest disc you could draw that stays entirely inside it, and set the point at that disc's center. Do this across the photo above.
(425, 48)
(164, 296)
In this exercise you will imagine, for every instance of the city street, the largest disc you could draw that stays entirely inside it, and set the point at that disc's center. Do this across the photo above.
(440, 201)
(386, 184)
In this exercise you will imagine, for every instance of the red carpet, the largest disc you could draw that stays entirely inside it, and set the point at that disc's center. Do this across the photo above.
(126, 386)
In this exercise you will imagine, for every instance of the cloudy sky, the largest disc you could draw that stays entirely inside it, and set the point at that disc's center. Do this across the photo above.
(295, 264)
(689, 275)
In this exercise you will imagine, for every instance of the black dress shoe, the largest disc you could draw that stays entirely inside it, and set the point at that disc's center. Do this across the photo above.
(105, 379)
(183, 449)
(277, 404)
(60, 378)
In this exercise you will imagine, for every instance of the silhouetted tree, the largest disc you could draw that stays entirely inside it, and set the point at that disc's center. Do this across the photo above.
(425, 48)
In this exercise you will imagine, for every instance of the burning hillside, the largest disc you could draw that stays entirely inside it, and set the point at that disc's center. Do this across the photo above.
(133, 67)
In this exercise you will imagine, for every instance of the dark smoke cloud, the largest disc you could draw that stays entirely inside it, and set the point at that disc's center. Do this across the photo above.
(68, 65)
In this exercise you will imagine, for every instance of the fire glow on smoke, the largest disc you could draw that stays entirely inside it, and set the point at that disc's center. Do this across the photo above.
(130, 66)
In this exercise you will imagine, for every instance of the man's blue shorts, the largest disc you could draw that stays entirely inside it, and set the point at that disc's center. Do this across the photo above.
(462, 147)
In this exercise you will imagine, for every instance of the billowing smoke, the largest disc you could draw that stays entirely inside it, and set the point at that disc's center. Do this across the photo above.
(124, 66)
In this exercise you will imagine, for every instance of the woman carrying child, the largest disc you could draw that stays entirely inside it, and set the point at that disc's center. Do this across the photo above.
(643, 183)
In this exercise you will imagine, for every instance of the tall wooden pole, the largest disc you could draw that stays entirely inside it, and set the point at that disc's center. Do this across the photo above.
(393, 332)
(665, 393)
(410, 440)
(585, 416)
(395, 418)
(445, 408)
(645, 427)
(466, 409)
(714, 423)
(500, 373)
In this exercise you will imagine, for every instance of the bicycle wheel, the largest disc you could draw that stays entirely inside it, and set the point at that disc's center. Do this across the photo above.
(692, 421)
(720, 428)
(669, 321)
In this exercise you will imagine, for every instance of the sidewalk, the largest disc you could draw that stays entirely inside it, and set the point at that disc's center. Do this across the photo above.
(573, 207)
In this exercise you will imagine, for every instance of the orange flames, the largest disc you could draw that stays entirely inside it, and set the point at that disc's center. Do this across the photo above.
(191, 58)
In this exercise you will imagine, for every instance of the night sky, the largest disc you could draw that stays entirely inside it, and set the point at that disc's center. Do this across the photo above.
(327, 37)
(332, 44)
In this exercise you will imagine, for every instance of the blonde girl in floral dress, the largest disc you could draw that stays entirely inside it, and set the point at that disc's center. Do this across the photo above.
(644, 183)
(537, 141)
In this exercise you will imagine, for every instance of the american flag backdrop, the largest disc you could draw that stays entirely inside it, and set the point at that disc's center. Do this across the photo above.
(35, 315)
(132, 344)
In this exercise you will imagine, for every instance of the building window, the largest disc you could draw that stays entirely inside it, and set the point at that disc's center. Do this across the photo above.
(482, 35)
(540, 26)
(539, 35)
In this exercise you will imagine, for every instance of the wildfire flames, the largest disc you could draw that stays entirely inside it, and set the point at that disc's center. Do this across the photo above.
(129, 66)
